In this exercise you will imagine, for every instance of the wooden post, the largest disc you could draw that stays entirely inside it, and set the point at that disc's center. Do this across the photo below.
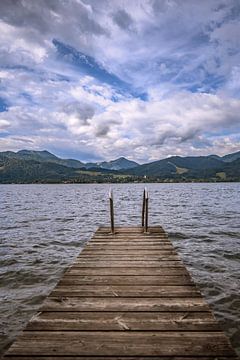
(143, 206)
(146, 212)
(111, 210)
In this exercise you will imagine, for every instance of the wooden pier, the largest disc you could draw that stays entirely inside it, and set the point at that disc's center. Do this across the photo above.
(127, 296)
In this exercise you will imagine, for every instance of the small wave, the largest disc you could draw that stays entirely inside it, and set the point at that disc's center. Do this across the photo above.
(233, 256)
(15, 226)
(178, 236)
(63, 220)
(226, 233)
(40, 219)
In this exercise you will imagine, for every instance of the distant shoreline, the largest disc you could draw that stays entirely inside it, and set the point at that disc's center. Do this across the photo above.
(130, 182)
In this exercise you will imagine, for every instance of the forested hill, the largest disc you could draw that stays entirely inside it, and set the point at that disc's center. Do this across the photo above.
(27, 166)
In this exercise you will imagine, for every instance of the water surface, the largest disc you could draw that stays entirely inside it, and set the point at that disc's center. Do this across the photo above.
(43, 228)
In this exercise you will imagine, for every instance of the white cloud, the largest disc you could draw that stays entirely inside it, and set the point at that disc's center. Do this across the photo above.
(4, 124)
(190, 71)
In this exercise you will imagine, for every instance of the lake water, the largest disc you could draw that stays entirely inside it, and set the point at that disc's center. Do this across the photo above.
(43, 227)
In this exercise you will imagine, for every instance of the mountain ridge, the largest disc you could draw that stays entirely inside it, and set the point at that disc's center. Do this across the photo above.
(44, 155)
(43, 166)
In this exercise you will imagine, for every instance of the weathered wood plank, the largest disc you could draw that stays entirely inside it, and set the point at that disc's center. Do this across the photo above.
(127, 247)
(129, 253)
(86, 321)
(130, 247)
(121, 343)
(115, 250)
(15, 357)
(121, 257)
(125, 280)
(74, 289)
(130, 236)
(119, 263)
(127, 271)
(129, 242)
(61, 303)
(136, 237)
(130, 229)
(129, 257)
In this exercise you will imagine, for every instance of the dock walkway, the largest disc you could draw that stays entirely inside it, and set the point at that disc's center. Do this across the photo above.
(127, 296)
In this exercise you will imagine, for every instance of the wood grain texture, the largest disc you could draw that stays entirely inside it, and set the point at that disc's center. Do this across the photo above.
(143, 291)
(130, 242)
(184, 321)
(142, 264)
(64, 357)
(129, 271)
(121, 343)
(129, 257)
(128, 296)
(70, 279)
(73, 303)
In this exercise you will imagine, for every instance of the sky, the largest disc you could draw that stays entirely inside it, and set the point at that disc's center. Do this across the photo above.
(99, 79)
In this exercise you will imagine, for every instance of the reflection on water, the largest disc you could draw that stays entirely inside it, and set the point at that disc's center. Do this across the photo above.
(43, 227)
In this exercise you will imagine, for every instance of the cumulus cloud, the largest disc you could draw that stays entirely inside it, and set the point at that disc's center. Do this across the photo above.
(4, 124)
(142, 79)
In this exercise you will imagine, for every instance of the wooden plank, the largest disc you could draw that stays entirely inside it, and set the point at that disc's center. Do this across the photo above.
(129, 271)
(109, 257)
(65, 357)
(102, 257)
(130, 233)
(129, 252)
(128, 247)
(129, 242)
(126, 237)
(153, 264)
(130, 257)
(86, 321)
(134, 250)
(164, 246)
(130, 236)
(125, 280)
(142, 291)
(121, 343)
(123, 304)
(130, 229)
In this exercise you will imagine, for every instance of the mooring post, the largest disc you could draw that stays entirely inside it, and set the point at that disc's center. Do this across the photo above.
(111, 210)
(143, 206)
(146, 212)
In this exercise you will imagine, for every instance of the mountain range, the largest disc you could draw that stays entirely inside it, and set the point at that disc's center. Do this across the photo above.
(29, 166)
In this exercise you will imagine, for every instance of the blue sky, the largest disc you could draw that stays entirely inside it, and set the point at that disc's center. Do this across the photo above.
(100, 79)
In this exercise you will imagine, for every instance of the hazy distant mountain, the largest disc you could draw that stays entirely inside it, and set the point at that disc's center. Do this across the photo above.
(177, 165)
(231, 157)
(118, 164)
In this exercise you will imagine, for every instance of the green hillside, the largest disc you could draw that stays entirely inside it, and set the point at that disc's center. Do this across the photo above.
(28, 166)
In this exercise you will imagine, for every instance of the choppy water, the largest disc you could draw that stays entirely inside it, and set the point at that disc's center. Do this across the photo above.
(43, 227)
